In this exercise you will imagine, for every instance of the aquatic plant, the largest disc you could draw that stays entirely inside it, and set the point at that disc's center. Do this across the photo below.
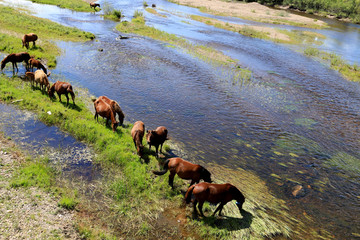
(138, 14)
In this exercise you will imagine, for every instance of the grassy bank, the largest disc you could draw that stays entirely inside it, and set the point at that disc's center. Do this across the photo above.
(276, 35)
(350, 72)
(130, 200)
(15, 24)
(76, 5)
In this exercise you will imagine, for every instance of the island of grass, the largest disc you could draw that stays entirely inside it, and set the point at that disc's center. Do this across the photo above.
(75, 5)
(14, 24)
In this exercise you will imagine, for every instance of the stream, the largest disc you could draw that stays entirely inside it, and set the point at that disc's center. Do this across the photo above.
(295, 122)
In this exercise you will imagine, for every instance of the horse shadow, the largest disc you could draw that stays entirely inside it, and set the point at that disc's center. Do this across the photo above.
(227, 222)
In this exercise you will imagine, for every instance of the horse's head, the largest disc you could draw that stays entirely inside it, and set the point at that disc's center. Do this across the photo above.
(205, 175)
(150, 135)
(3, 63)
(115, 125)
(51, 91)
(140, 150)
(238, 196)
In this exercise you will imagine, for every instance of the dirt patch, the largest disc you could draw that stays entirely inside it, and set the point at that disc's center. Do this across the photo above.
(28, 213)
(251, 11)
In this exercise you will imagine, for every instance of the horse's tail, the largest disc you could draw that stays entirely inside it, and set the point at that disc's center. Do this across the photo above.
(166, 167)
(189, 193)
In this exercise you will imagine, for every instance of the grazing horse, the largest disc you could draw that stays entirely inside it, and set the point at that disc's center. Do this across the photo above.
(36, 63)
(137, 133)
(94, 5)
(62, 88)
(156, 137)
(185, 170)
(214, 193)
(30, 76)
(31, 37)
(116, 108)
(14, 58)
(41, 78)
(105, 110)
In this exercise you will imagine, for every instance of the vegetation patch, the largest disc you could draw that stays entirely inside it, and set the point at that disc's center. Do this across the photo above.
(111, 13)
(76, 5)
(153, 11)
(15, 24)
(350, 72)
(345, 162)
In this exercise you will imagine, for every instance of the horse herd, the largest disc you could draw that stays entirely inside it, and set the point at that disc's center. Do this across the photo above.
(108, 108)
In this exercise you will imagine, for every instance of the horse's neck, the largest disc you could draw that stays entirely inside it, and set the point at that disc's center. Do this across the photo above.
(138, 138)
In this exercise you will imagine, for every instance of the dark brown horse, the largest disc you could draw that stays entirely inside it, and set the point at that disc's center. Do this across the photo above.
(36, 63)
(116, 108)
(214, 193)
(94, 5)
(156, 137)
(185, 170)
(31, 37)
(15, 58)
(105, 110)
(62, 88)
(137, 133)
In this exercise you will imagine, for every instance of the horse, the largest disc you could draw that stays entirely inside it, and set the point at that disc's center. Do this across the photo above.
(156, 137)
(36, 63)
(214, 193)
(30, 76)
(116, 108)
(137, 133)
(31, 37)
(94, 5)
(41, 78)
(105, 110)
(62, 88)
(14, 58)
(185, 170)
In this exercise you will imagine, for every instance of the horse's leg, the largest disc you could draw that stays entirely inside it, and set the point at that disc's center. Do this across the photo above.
(200, 208)
(67, 99)
(192, 182)
(171, 180)
(161, 148)
(194, 205)
(220, 207)
(96, 116)
(59, 94)
(157, 150)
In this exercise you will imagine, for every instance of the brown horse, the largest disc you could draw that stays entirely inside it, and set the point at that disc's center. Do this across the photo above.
(94, 5)
(185, 170)
(36, 63)
(30, 76)
(156, 137)
(31, 37)
(14, 58)
(62, 88)
(105, 110)
(214, 193)
(137, 133)
(41, 78)
(116, 108)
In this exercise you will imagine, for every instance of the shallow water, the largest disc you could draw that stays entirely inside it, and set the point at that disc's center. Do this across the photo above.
(289, 123)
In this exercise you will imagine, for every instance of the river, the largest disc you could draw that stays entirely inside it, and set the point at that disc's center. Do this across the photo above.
(295, 122)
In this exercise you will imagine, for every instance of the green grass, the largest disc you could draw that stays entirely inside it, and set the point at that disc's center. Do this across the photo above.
(350, 72)
(15, 24)
(35, 173)
(76, 5)
(68, 202)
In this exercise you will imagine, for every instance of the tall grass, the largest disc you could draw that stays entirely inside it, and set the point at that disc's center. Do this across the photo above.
(111, 13)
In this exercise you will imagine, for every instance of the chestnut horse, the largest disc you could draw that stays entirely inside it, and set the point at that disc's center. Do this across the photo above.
(62, 88)
(116, 108)
(14, 58)
(156, 137)
(36, 63)
(105, 110)
(214, 193)
(31, 37)
(185, 170)
(137, 133)
(94, 5)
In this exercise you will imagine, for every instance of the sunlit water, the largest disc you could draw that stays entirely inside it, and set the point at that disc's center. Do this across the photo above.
(294, 122)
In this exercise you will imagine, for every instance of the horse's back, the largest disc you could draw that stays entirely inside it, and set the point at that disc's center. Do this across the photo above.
(138, 127)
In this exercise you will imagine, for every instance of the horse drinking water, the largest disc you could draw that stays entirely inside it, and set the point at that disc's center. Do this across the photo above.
(214, 193)
(185, 170)
(31, 37)
(15, 58)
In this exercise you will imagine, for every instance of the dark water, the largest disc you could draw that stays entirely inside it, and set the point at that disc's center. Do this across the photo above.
(294, 122)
